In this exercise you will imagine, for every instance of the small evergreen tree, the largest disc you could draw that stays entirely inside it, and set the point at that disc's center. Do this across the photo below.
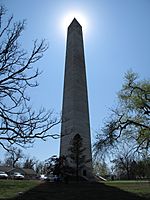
(76, 154)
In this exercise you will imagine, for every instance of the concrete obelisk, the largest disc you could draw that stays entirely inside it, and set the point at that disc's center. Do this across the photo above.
(75, 111)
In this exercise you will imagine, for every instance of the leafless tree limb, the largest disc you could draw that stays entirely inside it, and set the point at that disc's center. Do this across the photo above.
(19, 124)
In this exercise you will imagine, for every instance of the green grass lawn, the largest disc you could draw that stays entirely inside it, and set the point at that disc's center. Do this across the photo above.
(110, 190)
(11, 188)
(141, 188)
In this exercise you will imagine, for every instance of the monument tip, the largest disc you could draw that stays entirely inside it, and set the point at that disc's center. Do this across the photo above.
(75, 21)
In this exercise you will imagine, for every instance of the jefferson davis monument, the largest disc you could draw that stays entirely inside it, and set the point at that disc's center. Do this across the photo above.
(75, 111)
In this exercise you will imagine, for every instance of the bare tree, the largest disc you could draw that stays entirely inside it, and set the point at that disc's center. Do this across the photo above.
(124, 163)
(19, 124)
(100, 168)
(13, 156)
(29, 162)
(40, 167)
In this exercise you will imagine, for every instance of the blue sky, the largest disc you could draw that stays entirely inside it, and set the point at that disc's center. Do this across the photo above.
(116, 40)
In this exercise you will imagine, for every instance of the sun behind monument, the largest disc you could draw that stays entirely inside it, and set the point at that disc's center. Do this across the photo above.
(70, 16)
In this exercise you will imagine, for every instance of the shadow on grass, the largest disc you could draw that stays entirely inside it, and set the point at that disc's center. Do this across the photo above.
(76, 191)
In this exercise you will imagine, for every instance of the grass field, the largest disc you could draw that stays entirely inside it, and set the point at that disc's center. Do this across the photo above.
(111, 190)
(141, 188)
(11, 188)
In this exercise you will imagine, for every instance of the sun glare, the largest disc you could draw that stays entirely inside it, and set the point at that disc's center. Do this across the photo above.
(70, 16)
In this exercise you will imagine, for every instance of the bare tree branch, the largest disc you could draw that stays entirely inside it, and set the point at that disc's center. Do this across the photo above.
(19, 124)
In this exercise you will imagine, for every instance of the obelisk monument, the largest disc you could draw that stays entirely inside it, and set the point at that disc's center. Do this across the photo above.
(75, 111)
